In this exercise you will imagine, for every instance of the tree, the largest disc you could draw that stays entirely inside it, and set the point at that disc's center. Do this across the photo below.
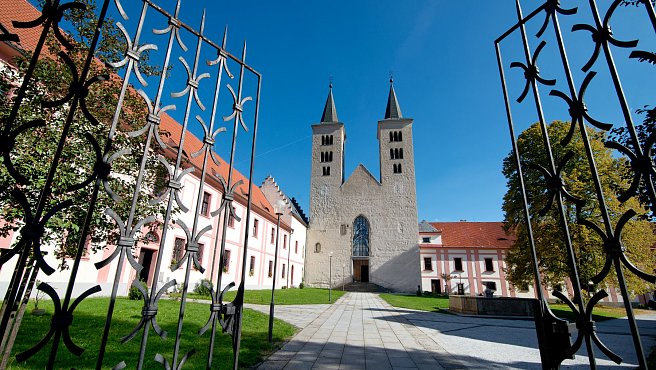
(638, 236)
(35, 146)
(645, 131)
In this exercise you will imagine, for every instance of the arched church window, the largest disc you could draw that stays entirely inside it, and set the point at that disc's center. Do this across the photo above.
(399, 168)
(391, 136)
(317, 248)
(400, 136)
(401, 153)
(391, 152)
(330, 156)
(323, 140)
(361, 236)
(396, 136)
(396, 153)
(322, 157)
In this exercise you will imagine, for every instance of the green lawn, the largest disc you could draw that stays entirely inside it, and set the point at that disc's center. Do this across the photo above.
(283, 296)
(88, 323)
(599, 313)
(430, 302)
(427, 302)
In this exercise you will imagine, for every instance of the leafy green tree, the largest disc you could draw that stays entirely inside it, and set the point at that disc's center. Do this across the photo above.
(646, 130)
(34, 147)
(638, 235)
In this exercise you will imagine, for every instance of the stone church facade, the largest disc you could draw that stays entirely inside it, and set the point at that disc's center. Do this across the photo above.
(363, 229)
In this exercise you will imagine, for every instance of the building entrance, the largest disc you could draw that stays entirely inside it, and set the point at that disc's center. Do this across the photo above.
(361, 270)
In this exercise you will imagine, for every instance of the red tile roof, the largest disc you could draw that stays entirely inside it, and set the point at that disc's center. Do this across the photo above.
(474, 234)
(21, 10)
(192, 144)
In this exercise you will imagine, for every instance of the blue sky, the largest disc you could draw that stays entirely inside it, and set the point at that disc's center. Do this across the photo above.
(445, 78)
(442, 56)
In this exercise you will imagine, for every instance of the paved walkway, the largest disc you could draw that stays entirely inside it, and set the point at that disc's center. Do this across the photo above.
(357, 332)
(361, 331)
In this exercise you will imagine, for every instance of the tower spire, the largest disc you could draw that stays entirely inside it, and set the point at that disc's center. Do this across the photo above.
(393, 111)
(329, 111)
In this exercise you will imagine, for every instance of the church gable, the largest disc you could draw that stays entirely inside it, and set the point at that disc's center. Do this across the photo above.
(360, 178)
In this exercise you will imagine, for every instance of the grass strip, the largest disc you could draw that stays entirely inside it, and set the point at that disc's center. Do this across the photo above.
(427, 302)
(283, 296)
(89, 320)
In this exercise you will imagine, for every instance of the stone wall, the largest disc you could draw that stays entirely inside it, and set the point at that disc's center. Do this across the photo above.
(499, 306)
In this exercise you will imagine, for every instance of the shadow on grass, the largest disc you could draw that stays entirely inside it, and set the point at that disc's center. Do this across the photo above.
(89, 321)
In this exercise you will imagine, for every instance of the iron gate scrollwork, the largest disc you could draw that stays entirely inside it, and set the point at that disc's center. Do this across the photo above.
(560, 339)
(158, 148)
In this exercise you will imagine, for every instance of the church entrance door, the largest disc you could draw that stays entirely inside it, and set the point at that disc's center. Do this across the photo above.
(364, 271)
(361, 270)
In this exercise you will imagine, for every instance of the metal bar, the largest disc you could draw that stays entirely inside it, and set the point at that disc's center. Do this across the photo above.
(220, 224)
(248, 210)
(89, 216)
(571, 258)
(586, 141)
(520, 176)
(33, 271)
(626, 111)
(190, 255)
(119, 267)
(152, 298)
(227, 211)
(522, 21)
(20, 94)
(208, 41)
(273, 285)
(637, 342)
(650, 10)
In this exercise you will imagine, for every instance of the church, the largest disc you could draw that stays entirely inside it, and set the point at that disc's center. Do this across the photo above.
(363, 229)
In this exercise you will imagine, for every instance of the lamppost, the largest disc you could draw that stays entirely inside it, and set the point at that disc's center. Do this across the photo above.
(343, 277)
(330, 273)
(279, 207)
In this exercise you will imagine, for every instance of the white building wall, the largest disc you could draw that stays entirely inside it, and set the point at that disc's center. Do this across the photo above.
(259, 247)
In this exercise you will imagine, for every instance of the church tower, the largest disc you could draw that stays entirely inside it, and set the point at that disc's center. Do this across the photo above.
(363, 229)
(327, 174)
(397, 164)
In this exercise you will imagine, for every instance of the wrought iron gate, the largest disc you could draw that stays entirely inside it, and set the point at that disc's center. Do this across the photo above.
(156, 152)
(555, 334)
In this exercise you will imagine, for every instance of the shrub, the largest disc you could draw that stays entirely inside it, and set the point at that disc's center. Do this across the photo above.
(301, 285)
(135, 294)
(204, 287)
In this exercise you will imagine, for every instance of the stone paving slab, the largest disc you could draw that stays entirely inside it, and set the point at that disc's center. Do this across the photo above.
(297, 315)
(361, 331)
(350, 335)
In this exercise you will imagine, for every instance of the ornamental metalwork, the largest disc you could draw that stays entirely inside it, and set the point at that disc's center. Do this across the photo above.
(560, 339)
(232, 98)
